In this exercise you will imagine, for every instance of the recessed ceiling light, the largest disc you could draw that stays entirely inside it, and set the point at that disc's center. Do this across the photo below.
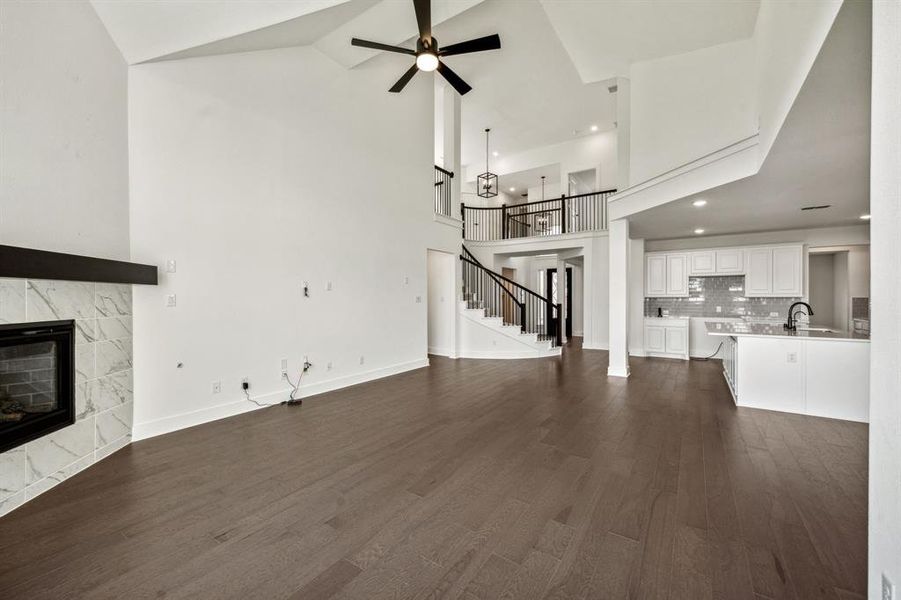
(495, 153)
(865, 217)
(699, 231)
(699, 203)
(512, 189)
(594, 127)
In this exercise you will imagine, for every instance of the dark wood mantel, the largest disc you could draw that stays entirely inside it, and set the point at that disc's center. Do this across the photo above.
(27, 263)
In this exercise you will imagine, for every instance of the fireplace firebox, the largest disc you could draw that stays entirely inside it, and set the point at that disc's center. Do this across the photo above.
(37, 380)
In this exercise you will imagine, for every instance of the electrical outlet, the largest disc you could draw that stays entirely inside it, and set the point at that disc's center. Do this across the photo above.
(792, 357)
(362, 359)
(328, 286)
(406, 280)
(418, 299)
(170, 266)
(284, 366)
(245, 383)
(306, 288)
(328, 367)
(774, 314)
(719, 309)
(888, 588)
(170, 300)
(216, 387)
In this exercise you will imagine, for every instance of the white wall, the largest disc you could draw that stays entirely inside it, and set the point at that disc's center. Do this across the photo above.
(823, 292)
(259, 171)
(689, 105)
(442, 307)
(596, 151)
(64, 149)
(885, 366)
(787, 38)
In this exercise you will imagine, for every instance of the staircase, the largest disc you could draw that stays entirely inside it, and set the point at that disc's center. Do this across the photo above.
(506, 319)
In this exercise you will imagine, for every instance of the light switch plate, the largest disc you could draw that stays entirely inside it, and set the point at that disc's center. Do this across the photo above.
(170, 300)
(170, 266)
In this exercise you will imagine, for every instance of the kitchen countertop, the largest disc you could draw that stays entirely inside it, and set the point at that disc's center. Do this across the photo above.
(749, 329)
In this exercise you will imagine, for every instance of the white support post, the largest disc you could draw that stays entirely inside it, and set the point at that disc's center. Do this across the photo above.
(451, 138)
(619, 299)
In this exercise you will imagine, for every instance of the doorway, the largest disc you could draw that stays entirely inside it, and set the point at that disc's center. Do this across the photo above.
(441, 306)
(554, 294)
(509, 306)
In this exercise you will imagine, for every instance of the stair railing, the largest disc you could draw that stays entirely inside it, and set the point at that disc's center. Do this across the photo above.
(515, 304)
(567, 214)
(443, 192)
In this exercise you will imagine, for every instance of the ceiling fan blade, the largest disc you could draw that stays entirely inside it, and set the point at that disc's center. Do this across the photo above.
(378, 46)
(423, 10)
(489, 42)
(452, 78)
(404, 80)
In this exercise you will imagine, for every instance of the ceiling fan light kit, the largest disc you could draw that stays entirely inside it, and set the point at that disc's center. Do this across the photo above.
(428, 55)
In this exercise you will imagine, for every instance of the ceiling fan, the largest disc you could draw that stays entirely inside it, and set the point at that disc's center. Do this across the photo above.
(428, 54)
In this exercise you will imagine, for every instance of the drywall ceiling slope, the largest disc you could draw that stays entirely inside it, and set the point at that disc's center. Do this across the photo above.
(145, 29)
(301, 31)
(604, 38)
(821, 155)
(528, 92)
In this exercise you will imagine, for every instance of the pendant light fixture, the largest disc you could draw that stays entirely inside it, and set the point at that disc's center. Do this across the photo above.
(487, 181)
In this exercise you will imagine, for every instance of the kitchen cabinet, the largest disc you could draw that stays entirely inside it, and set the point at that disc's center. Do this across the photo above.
(655, 286)
(677, 275)
(703, 263)
(787, 271)
(729, 262)
(759, 272)
(666, 337)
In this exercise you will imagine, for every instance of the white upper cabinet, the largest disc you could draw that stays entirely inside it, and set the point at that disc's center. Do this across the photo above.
(758, 271)
(788, 271)
(702, 263)
(655, 284)
(677, 275)
(730, 262)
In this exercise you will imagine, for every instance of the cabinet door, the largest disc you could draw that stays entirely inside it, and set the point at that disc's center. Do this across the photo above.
(654, 338)
(759, 272)
(676, 340)
(703, 263)
(729, 262)
(677, 275)
(787, 271)
(655, 286)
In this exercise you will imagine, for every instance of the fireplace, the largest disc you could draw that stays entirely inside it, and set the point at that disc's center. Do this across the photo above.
(37, 380)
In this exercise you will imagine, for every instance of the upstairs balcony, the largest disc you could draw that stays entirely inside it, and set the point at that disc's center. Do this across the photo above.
(567, 214)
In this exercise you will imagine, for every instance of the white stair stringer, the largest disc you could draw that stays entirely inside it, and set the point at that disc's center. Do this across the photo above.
(488, 337)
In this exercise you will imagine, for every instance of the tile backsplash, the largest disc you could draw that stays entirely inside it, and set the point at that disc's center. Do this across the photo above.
(705, 294)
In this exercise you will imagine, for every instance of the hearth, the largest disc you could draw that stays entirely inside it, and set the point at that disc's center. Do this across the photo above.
(37, 380)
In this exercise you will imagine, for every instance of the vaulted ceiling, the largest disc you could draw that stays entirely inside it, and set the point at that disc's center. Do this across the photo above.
(546, 84)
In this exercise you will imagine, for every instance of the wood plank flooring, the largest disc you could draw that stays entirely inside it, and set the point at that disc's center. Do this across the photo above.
(470, 479)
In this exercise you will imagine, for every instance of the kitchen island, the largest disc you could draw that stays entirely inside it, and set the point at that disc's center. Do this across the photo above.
(817, 372)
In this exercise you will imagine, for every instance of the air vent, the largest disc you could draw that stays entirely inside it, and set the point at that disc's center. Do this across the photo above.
(820, 207)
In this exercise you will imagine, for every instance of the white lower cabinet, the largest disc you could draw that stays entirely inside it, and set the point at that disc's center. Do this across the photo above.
(667, 338)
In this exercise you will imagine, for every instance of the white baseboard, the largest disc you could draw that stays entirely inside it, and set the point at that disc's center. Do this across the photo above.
(637, 352)
(507, 354)
(595, 346)
(149, 429)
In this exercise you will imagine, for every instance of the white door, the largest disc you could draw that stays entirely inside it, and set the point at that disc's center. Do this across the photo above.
(703, 263)
(758, 272)
(656, 277)
(787, 280)
(654, 338)
(729, 262)
(676, 275)
(676, 340)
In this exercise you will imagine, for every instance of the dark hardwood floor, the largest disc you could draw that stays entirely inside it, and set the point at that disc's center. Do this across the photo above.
(469, 479)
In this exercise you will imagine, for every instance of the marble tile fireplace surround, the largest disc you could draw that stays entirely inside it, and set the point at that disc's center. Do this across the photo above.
(103, 381)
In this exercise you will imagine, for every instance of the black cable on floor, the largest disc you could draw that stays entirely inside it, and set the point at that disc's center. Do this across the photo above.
(717, 351)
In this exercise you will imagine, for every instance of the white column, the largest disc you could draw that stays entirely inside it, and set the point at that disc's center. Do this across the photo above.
(623, 132)
(451, 140)
(619, 299)
(885, 290)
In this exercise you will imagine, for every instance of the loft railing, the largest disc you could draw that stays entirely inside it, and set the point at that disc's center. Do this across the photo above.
(515, 304)
(443, 182)
(567, 214)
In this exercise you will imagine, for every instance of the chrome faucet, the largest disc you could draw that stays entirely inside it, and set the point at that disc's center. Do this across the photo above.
(790, 324)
